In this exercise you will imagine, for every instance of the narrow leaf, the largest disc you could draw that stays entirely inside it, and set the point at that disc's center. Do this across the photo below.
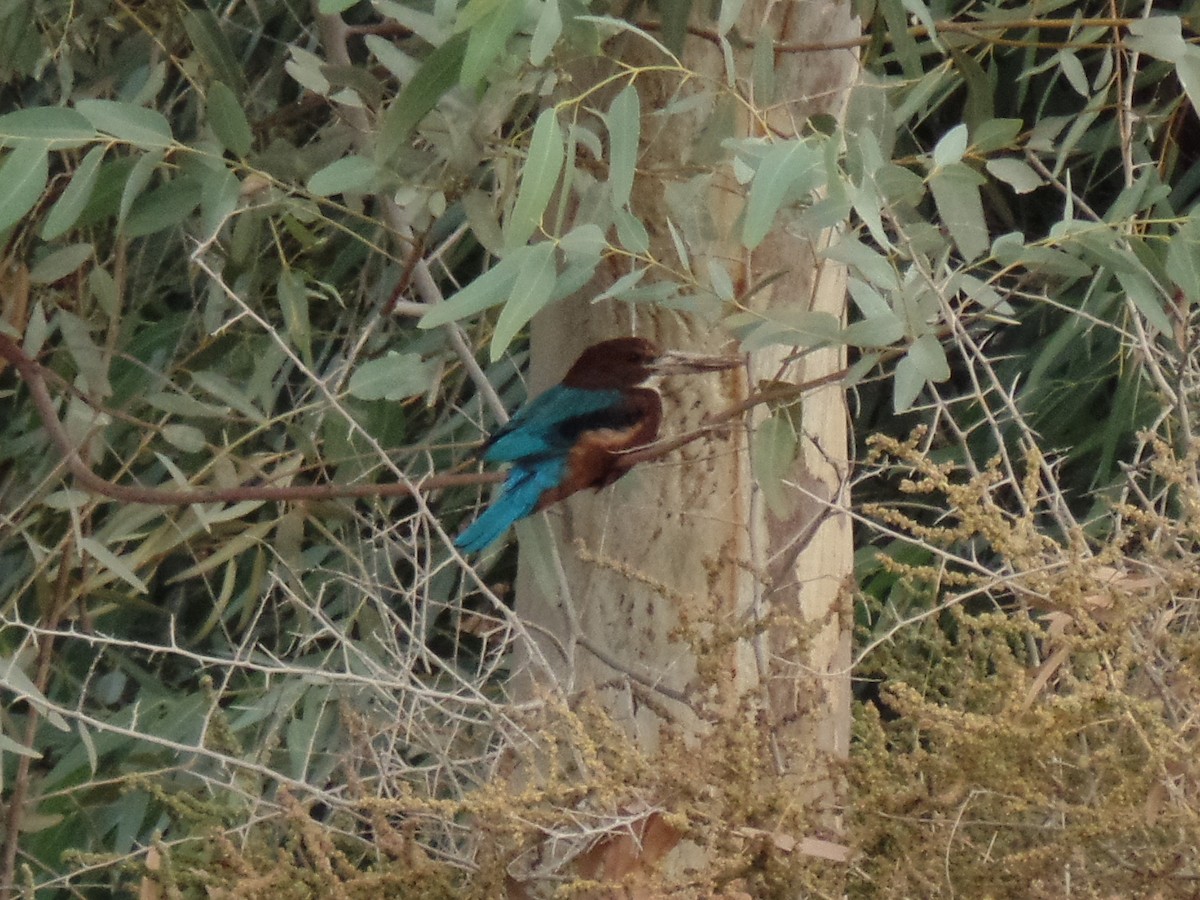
(437, 75)
(137, 125)
(487, 39)
(54, 127)
(624, 133)
(75, 196)
(293, 303)
(1183, 259)
(538, 178)
(773, 457)
(350, 174)
(782, 167)
(395, 376)
(545, 33)
(113, 563)
(951, 147)
(530, 293)
(228, 119)
(955, 190)
(204, 31)
(23, 176)
(1016, 173)
(60, 263)
(487, 290)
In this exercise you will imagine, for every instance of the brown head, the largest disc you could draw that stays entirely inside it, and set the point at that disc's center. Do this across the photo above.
(629, 361)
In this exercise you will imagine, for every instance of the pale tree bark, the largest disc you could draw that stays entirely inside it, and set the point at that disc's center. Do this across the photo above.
(683, 605)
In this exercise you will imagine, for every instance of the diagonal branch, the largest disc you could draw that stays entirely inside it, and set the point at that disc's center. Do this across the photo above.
(33, 374)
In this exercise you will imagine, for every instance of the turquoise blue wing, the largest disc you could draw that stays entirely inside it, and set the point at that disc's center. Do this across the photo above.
(518, 498)
(549, 424)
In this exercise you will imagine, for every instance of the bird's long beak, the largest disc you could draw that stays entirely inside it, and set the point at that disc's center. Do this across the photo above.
(676, 362)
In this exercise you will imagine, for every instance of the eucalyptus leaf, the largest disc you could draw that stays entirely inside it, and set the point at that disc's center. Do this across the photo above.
(52, 127)
(955, 190)
(67, 209)
(539, 176)
(488, 289)
(24, 174)
(773, 456)
(228, 119)
(395, 376)
(137, 125)
(624, 131)
(532, 290)
(350, 174)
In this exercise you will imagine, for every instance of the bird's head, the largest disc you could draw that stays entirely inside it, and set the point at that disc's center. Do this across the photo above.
(629, 361)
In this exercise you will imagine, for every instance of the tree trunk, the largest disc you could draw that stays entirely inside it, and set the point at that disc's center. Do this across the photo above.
(694, 616)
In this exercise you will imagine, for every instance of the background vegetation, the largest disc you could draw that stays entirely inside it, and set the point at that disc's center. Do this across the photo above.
(221, 224)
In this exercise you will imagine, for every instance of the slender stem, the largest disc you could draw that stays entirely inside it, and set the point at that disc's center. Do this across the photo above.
(33, 374)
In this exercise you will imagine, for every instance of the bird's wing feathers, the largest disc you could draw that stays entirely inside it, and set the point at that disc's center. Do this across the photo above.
(550, 423)
(523, 488)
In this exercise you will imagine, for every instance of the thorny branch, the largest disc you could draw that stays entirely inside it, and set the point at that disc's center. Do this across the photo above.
(33, 374)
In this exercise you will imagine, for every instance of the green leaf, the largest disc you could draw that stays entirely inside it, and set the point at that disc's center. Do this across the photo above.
(531, 291)
(1072, 69)
(75, 196)
(437, 75)
(631, 233)
(538, 178)
(929, 357)
(622, 285)
(487, 39)
(907, 384)
(1183, 259)
(147, 128)
(328, 7)
(396, 376)
(1147, 299)
(187, 438)
(868, 262)
(23, 175)
(487, 290)
(583, 240)
(350, 174)
(227, 392)
(783, 166)
(1016, 173)
(204, 31)
(907, 51)
(115, 564)
(57, 127)
(995, 134)
(545, 33)
(955, 190)
(219, 199)
(1158, 36)
(228, 119)
(14, 679)
(138, 178)
(719, 280)
(880, 330)
(730, 11)
(951, 147)
(60, 263)
(624, 133)
(430, 27)
(163, 208)
(773, 456)
(293, 303)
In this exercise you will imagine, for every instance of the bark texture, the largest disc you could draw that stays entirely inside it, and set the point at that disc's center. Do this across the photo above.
(664, 576)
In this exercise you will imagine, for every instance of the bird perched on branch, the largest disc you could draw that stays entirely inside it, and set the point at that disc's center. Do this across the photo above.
(572, 436)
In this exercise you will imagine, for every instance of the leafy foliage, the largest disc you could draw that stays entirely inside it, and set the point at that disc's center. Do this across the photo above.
(205, 212)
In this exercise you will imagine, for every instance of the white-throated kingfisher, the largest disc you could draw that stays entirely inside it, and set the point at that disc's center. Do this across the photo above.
(572, 436)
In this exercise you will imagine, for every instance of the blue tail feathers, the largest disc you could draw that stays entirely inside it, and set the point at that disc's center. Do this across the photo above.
(526, 483)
